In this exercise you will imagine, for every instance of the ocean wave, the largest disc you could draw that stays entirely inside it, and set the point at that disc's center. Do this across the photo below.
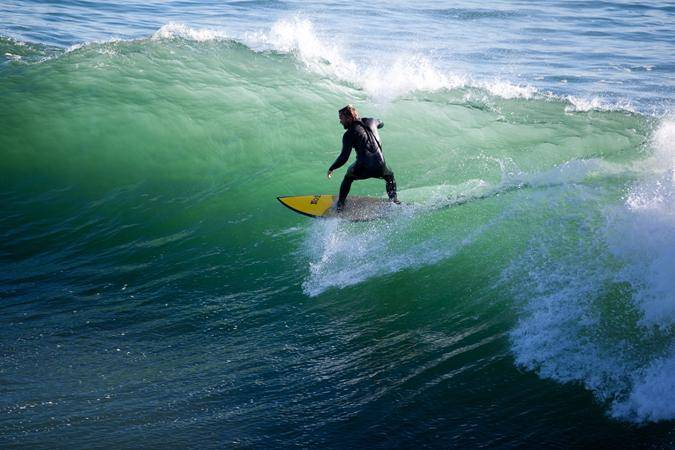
(351, 254)
(598, 303)
(386, 80)
(641, 232)
(18, 51)
(383, 80)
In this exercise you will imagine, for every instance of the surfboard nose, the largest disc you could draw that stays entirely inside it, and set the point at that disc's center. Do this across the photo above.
(309, 205)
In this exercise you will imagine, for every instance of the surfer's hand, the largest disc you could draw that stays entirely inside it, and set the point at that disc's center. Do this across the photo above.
(329, 174)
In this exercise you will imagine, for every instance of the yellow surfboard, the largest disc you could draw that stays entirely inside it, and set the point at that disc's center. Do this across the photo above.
(323, 206)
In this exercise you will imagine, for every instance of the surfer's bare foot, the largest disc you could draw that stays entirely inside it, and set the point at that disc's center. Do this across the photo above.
(395, 200)
(339, 208)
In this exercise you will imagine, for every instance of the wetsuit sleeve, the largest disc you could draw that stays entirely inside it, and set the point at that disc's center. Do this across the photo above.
(377, 123)
(344, 154)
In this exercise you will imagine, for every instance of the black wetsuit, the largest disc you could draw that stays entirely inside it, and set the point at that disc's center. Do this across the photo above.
(363, 137)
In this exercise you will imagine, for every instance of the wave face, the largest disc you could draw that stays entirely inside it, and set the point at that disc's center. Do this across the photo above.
(152, 285)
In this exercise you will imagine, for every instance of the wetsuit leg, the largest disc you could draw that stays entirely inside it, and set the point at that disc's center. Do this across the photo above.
(388, 176)
(358, 173)
(344, 190)
(352, 174)
(391, 186)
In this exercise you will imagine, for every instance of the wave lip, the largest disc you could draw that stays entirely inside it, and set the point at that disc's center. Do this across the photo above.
(580, 104)
(506, 90)
(173, 30)
(383, 79)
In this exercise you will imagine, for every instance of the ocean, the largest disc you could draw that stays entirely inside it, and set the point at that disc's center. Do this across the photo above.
(154, 293)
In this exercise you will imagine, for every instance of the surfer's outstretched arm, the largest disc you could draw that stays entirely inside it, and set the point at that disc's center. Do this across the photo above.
(344, 154)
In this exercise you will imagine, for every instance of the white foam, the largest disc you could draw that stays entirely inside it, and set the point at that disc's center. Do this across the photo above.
(403, 74)
(581, 104)
(642, 233)
(349, 254)
(343, 254)
(174, 30)
(438, 196)
(100, 47)
(653, 395)
(664, 143)
(569, 172)
(76, 47)
(599, 303)
(557, 283)
(297, 36)
(504, 89)
(383, 79)
(13, 57)
(561, 335)
(406, 74)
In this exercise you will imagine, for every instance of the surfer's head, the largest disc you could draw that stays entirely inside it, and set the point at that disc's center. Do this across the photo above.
(347, 115)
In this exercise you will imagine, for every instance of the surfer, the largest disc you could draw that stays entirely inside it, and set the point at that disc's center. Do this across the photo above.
(361, 135)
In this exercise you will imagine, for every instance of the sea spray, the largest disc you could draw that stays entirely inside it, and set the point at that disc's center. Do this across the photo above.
(597, 301)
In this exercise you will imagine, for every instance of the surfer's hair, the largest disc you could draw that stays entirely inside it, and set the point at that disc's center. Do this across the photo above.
(350, 112)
